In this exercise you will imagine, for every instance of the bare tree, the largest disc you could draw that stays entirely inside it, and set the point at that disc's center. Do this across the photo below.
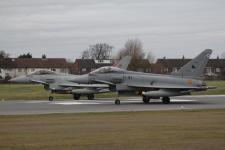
(28, 55)
(223, 55)
(98, 51)
(3, 54)
(86, 54)
(43, 56)
(134, 48)
(151, 57)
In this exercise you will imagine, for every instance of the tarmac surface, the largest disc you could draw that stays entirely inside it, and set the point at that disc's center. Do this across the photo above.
(21, 107)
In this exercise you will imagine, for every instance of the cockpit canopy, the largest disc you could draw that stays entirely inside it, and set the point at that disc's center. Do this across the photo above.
(42, 72)
(107, 70)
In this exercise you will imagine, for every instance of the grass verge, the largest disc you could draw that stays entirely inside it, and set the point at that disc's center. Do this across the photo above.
(198, 129)
(37, 92)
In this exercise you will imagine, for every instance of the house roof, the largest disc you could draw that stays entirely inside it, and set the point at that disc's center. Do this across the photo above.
(139, 63)
(178, 63)
(34, 63)
(85, 63)
(142, 63)
(90, 63)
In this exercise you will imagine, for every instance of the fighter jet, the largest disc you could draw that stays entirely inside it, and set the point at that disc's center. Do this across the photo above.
(62, 83)
(153, 86)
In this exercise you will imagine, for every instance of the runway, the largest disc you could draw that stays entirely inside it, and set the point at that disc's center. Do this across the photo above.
(20, 107)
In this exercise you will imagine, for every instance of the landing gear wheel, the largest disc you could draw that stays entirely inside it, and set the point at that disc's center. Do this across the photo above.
(166, 100)
(146, 99)
(76, 96)
(117, 102)
(50, 98)
(91, 97)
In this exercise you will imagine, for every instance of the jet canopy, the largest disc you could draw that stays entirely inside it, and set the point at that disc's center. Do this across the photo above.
(42, 72)
(107, 70)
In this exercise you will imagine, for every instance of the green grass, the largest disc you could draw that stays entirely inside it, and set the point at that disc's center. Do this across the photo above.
(169, 130)
(37, 92)
(220, 90)
(26, 92)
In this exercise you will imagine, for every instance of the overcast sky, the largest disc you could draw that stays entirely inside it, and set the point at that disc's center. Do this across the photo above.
(64, 28)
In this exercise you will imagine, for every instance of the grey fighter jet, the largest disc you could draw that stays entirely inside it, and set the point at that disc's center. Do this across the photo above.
(61, 83)
(153, 86)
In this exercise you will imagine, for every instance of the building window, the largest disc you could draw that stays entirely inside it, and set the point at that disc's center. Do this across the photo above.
(217, 69)
(84, 70)
(20, 70)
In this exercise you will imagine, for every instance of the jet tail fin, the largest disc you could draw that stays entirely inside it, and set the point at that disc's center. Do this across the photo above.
(195, 67)
(124, 62)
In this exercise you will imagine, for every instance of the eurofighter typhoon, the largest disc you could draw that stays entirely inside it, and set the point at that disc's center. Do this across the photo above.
(152, 86)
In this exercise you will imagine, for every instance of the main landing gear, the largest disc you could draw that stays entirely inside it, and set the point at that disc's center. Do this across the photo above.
(90, 96)
(146, 99)
(166, 100)
(76, 96)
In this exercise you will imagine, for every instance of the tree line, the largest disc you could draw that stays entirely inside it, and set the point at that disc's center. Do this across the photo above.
(100, 51)
(132, 47)
(3, 54)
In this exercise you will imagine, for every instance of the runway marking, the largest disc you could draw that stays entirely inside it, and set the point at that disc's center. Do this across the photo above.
(197, 96)
(105, 102)
(182, 100)
(36, 101)
(75, 103)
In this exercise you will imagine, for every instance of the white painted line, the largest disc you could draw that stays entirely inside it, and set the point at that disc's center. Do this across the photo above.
(203, 96)
(74, 103)
(35, 102)
(182, 100)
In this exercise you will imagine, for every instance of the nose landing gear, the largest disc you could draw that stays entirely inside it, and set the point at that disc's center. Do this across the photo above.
(117, 102)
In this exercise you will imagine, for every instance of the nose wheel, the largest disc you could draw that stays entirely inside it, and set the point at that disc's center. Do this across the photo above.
(117, 102)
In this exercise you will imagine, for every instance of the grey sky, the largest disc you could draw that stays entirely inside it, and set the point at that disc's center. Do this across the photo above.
(64, 28)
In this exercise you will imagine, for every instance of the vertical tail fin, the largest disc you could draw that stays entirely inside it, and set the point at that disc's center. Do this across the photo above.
(195, 67)
(123, 63)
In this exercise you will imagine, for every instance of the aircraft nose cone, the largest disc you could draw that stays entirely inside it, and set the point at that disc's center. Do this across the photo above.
(21, 79)
(83, 79)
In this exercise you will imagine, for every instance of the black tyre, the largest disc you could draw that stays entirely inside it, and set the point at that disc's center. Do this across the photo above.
(117, 102)
(76, 96)
(166, 100)
(91, 97)
(146, 99)
(50, 98)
